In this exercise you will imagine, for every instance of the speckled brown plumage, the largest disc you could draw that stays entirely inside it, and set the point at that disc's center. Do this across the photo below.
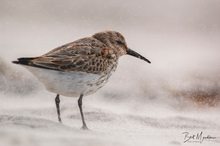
(81, 67)
(95, 54)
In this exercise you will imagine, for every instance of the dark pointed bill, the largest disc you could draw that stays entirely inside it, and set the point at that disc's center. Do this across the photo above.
(135, 54)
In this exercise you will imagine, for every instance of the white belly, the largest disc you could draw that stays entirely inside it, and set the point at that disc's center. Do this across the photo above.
(71, 84)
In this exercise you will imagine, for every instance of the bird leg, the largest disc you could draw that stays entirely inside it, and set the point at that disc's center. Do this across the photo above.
(57, 101)
(81, 112)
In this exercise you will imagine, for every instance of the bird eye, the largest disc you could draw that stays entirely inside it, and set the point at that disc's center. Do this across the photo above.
(119, 42)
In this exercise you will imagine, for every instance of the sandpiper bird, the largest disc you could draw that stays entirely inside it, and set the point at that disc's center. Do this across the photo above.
(81, 67)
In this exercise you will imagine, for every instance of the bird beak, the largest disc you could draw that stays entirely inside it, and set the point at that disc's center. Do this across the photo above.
(135, 54)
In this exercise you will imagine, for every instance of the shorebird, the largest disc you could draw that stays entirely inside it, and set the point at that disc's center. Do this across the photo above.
(79, 68)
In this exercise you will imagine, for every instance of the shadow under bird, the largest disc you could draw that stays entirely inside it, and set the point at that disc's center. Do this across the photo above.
(81, 67)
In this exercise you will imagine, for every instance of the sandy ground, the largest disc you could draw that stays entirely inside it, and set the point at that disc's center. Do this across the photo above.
(142, 107)
(32, 121)
(142, 104)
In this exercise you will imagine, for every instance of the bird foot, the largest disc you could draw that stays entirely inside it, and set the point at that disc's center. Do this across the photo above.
(84, 127)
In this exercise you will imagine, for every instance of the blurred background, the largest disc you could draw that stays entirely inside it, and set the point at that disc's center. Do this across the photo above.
(142, 104)
(181, 38)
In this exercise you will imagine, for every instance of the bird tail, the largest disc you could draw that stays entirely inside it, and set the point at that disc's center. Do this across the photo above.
(23, 61)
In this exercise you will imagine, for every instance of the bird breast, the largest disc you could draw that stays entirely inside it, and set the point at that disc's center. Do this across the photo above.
(71, 84)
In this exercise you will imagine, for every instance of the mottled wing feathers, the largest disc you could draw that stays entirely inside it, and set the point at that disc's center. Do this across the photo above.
(85, 55)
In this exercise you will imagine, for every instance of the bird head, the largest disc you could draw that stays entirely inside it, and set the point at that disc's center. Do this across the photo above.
(117, 42)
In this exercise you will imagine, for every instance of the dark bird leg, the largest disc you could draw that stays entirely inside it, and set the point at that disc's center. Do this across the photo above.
(57, 101)
(81, 112)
